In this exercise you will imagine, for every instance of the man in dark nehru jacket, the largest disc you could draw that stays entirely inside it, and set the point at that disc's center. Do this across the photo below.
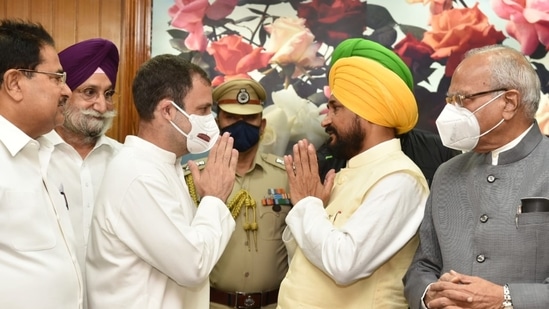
(255, 261)
(423, 147)
(82, 150)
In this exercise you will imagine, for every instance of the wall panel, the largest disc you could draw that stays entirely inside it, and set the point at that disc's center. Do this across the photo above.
(3, 8)
(136, 50)
(18, 8)
(110, 24)
(42, 11)
(88, 19)
(64, 22)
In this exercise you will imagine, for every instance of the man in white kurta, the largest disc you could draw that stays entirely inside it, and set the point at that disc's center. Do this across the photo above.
(147, 227)
(79, 179)
(38, 264)
(150, 247)
(82, 150)
(355, 236)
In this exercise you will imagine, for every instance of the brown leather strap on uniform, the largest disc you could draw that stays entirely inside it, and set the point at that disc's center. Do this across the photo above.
(242, 300)
(232, 101)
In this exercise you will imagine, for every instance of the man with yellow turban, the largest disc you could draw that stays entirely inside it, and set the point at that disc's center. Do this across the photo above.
(352, 239)
(424, 147)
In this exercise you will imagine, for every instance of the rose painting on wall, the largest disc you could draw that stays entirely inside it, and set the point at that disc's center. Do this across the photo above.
(286, 45)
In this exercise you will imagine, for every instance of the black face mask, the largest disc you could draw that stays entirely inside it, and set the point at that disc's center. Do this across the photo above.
(245, 135)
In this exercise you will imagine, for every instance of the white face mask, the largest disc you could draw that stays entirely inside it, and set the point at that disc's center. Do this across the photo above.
(459, 128)
(204, 131)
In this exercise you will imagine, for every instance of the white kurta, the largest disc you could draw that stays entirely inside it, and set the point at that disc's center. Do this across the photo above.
(38, 263)
(149, 246)
(80, 180)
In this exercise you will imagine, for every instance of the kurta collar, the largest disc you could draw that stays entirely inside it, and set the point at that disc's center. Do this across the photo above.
(56, 139)
(150, 150)
(376, 153)
(13, 138)
(258, 161)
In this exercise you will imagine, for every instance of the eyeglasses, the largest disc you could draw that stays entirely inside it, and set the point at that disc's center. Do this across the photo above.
(91, 94)
(459, 98)
(61, 77)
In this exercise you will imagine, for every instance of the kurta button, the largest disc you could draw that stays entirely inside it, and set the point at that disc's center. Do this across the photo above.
(491, 178)
(484, 218)
(246, 274)
(480, 258)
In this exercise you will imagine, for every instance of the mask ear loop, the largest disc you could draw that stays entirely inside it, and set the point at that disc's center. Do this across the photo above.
(492, 129)
(174, 125)
(490, 101)
(499, 123)
(180, 109)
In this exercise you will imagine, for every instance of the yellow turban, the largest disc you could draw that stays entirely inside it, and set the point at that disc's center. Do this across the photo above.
(374, 93)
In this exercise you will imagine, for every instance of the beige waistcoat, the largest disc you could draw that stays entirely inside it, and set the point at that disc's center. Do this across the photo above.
(306, 286)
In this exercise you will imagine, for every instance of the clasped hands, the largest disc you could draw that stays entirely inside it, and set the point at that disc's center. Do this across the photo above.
(454, 290)
(218, 176)
(303, 177)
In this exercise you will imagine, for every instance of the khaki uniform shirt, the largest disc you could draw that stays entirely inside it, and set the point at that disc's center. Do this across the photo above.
(255, 263)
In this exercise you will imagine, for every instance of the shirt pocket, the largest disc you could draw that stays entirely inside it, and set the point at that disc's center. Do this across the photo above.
(273, 222)
(535, 227)
(27, 222)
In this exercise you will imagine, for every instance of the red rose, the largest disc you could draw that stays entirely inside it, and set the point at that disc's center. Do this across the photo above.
(411, 50)
(234, 57)
(333, 21)
(456, 31)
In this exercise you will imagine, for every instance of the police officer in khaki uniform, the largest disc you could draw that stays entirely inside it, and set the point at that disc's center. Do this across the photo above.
(254, 263)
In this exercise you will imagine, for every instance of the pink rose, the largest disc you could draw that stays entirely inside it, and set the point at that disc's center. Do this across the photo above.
(542, 115)
(188, 15)
(528, 21)
(292, 43)
(438, 6)
(456, 31)
(418, 1)
(234, 58)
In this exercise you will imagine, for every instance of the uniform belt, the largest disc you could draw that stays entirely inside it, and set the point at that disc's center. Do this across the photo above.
(242, 300)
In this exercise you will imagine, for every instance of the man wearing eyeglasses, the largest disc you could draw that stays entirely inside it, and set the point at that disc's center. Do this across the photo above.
(38, 265)
(483, 244)
(82, 150)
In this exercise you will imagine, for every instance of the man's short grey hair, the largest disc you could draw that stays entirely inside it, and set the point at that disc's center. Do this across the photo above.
(510, 69)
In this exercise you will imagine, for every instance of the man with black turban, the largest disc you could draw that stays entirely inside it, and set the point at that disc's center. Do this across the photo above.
(352, 239)
(82, 150)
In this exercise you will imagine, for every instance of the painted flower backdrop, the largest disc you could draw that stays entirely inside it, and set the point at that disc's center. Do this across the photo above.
(288, 50)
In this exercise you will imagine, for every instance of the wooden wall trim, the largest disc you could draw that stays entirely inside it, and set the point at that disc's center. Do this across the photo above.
(136, 49)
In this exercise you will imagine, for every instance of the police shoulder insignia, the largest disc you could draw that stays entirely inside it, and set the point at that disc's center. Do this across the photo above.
(273, 160)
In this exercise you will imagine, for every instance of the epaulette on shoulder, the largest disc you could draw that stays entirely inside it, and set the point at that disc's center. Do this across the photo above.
(273, 160)
(200, 162)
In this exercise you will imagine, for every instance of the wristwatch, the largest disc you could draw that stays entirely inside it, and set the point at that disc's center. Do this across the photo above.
(507, 302)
